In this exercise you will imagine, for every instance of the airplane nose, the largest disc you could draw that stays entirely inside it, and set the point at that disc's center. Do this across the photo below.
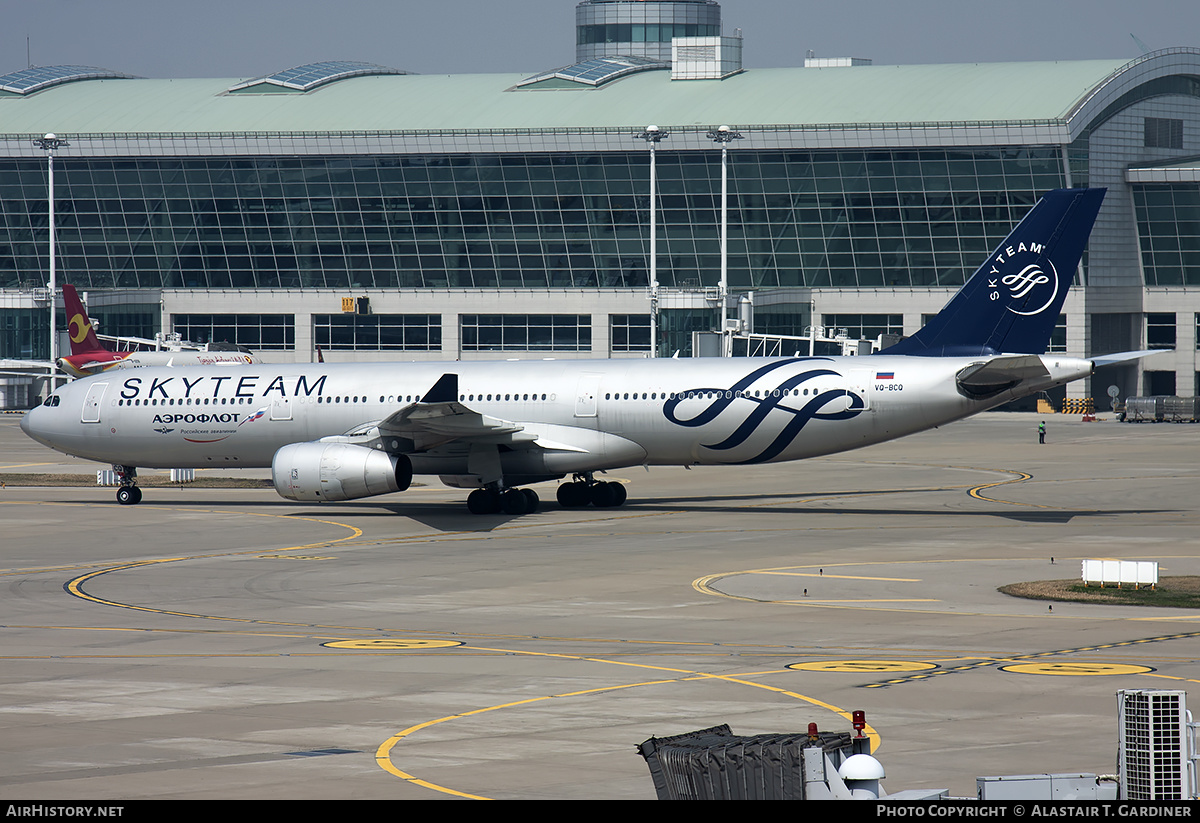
(31, 423)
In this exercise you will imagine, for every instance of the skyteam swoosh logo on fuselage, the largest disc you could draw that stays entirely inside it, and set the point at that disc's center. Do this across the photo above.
(737, 400)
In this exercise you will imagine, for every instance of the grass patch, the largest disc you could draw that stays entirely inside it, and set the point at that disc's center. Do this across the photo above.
(1172, 592)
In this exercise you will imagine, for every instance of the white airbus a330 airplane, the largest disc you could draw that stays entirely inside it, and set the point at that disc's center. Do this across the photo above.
(333, 432)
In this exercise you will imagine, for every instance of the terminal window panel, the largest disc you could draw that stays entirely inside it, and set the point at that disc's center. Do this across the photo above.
(850, 218)
(1162, 133)
(864, 326)
(378, 332)
(25, 334)
(133, 320)
(1160, 330)
(526, 332)
(629, 332)
(789, 322)
(1058, 337)
(259, 332)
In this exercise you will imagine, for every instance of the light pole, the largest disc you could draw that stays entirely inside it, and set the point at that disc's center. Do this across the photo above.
(724, 135)
(49, 144)
(652, 135)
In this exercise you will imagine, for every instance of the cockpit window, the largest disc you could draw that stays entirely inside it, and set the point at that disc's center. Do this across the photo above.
(52, 400)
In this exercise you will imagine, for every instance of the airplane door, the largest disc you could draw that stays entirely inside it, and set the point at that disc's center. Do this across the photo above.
(281, 408)
(91, 403)
(585, 397)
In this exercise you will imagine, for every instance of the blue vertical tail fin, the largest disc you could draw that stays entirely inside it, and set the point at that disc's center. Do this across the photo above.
(1012, 302)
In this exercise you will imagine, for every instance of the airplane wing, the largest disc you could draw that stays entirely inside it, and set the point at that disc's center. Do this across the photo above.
(17, 365)
(24, 374)
(438, 418)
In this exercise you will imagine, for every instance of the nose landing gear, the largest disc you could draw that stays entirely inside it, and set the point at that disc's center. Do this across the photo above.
(128, 494)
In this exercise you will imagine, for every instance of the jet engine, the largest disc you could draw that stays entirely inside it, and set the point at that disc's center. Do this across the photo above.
(337, 471)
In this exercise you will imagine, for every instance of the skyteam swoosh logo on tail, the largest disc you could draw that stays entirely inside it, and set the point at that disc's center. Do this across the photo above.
(1030, 279)
(737, 399)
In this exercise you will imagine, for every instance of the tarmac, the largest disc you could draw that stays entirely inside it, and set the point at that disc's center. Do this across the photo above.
(229, 644)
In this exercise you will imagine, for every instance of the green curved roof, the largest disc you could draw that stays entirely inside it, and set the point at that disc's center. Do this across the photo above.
(947, 93)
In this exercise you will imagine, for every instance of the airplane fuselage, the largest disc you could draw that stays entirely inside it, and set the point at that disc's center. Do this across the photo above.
(694, 411)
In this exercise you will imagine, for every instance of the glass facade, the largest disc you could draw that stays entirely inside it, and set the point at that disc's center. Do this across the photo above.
(1168, 220)
(641, 32)
(850, 219)
(643, 28)
(675, 327)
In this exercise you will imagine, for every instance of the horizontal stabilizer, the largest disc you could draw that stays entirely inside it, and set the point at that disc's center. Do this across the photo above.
(1126, 356)
(994, 376)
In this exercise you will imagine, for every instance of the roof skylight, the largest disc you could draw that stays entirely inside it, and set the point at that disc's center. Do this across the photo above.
(313, 75)
(36, 78)
(599, 71)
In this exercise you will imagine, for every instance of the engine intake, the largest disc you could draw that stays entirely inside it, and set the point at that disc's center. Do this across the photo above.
(337, 471)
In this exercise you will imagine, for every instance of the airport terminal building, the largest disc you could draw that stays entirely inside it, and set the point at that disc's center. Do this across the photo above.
(381, 214)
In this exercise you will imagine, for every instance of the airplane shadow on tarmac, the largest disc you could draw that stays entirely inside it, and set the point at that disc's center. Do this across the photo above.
(453, 515)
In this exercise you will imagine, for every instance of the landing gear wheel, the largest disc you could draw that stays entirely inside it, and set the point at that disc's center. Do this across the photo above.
(619, 495)
(129, 495)
(531, 499)
(573, 495)
(604, 496)
(513, 501)
(483, 501)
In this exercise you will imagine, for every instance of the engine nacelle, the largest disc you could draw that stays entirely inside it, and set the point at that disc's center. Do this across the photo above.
(337, 471)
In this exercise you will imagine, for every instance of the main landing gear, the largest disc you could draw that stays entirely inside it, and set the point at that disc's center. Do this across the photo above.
(491, 500)
(587, 490)
(128, 494)
(584, 490)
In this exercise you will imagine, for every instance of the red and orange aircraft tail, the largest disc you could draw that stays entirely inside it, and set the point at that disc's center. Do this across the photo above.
(83, 336)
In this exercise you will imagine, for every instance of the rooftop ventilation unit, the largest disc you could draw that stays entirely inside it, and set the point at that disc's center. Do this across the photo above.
(835, 62)
(705, 58)
(1156, 758)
